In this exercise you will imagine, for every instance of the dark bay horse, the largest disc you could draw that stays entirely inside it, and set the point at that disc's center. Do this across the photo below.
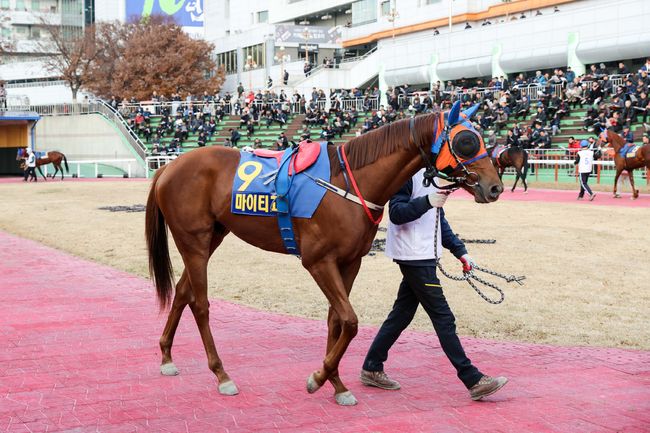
(192, 196)
(640, 159)
(55, 158)
(511, 157)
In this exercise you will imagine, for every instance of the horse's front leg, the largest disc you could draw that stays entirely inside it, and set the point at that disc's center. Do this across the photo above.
(343, 322)
(41, 172)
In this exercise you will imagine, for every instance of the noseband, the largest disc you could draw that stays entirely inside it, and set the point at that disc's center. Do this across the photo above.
(469, 178)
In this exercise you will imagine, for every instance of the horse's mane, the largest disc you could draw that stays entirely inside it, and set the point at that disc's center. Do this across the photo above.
(371, 146)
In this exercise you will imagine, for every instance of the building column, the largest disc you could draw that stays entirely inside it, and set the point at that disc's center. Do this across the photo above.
(240, 64)
(383, 87)
(497, 70)
(572, 57)
(433, 71)
(269, 45)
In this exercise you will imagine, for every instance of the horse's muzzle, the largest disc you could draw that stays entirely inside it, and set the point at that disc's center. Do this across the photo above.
(487, 194)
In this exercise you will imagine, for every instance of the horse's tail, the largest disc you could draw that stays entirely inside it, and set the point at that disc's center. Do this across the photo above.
(65, 161)
(160, 265)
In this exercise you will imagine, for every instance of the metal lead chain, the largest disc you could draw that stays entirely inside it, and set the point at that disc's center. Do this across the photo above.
(469, 276)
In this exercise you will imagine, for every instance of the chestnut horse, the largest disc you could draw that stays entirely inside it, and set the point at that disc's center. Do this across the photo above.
(54, 157)
(512, 157)
(192, 196)
(640, 159)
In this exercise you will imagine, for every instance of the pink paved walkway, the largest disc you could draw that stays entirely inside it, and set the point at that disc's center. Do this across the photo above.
(79, 352)
(569, 196)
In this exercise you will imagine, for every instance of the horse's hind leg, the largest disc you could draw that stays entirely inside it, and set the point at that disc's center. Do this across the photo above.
(195, 250)
(518, 175)
(182, 297)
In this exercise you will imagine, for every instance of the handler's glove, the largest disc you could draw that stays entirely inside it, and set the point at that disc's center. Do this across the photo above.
(438, 199)
(468, 263)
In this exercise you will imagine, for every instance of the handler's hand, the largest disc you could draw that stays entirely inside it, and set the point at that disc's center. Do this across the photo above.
(468, 263)
(438, 199)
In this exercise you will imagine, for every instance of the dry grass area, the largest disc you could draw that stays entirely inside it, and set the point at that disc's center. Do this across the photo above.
(586, 266)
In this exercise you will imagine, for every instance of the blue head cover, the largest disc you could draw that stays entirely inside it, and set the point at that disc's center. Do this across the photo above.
(584, 143)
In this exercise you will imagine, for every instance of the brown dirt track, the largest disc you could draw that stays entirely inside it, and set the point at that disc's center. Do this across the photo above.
(586, 266)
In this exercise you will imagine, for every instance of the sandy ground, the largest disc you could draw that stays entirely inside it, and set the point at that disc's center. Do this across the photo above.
(586, 266)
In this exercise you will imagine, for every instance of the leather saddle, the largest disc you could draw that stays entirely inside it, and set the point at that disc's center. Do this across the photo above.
(308, 152)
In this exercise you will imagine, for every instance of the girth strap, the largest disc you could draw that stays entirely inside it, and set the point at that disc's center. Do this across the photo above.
(282, 185)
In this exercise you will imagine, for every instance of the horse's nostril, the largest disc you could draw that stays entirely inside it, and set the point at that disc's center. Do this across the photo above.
(496, 190)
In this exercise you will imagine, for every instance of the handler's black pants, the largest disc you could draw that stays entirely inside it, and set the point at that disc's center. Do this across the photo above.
(31, 172)
(420, 285)
(584, 179)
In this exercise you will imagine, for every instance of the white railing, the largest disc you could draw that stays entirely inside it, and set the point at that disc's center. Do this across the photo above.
(358, 58)
(98, 168)
(45, 83)
(153, 163)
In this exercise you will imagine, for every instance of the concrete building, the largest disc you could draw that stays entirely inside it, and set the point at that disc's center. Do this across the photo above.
(386, 42)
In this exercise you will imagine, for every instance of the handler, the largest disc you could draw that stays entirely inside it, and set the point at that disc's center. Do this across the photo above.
(410, 243)
(585, 162)
(30, 165)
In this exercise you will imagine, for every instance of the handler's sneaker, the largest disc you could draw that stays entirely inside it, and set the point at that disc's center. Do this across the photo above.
(487, 386)
(378, 379)
(592, 197)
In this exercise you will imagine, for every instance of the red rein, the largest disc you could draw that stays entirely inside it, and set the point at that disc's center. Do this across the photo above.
(357, 192)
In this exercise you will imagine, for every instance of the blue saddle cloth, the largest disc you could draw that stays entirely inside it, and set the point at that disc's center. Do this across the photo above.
(627, 150)
(497, 151)
(253, 191)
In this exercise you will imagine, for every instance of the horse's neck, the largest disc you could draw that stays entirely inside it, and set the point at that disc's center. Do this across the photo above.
(381, 179)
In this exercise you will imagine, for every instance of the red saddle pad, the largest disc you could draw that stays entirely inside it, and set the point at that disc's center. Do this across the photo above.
(308, 152)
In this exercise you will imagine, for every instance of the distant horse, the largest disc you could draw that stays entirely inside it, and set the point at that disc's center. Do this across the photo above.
(54, 157)
(641, 158)
(192, 196)
(511, 157)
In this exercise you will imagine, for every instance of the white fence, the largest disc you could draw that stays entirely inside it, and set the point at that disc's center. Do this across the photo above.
(153, 163)
(97, 168)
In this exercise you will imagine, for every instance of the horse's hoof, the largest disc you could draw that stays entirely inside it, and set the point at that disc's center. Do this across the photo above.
(617, 196)
(312, 386)
(345, 399)
(228, 388)
(168, 369)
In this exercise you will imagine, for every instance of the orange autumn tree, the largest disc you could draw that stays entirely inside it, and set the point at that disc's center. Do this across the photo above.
(153, 54)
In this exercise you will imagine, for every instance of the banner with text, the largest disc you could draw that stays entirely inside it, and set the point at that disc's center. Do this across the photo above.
(186, 13)
(289, 33)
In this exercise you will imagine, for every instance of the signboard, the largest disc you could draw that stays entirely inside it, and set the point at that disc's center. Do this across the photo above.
(313, 48)
(186, 13)
(289, 33)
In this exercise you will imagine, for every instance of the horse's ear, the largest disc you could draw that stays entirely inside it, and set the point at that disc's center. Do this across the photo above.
(470, 112)
(454, 114)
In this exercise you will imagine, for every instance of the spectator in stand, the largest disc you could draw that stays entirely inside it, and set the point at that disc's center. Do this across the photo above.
(307, 69)
(595, 94)
(202, 139)
(627, 135)
(628, 114)
(283, 141)
(570, 75)
(235, 136)
(227, 142)
(512, 140)
(269, 83)
(540, 79)
(573, 145)
(622, 69)
(642, 106)
(250, 129)
(285, 77)
(257, 144)
(240, 90)
(501, 120)
(543, 140)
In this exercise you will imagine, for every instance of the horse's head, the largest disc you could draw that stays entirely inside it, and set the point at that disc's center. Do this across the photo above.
(461, 157)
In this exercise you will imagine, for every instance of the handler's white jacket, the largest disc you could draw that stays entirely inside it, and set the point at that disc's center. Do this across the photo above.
(414, 240)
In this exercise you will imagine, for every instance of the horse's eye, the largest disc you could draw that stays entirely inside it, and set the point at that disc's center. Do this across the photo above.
(466, 144)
